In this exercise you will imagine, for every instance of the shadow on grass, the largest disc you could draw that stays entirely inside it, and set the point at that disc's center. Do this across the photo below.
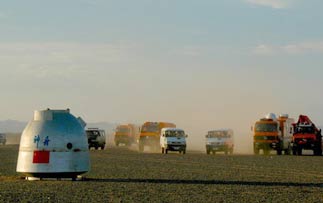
(205, 182)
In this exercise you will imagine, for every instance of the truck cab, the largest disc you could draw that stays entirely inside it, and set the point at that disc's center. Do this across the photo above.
(96, 138)
(306, 136)
(272, 133)
(173, 139)
(3, 139)
(219, 141)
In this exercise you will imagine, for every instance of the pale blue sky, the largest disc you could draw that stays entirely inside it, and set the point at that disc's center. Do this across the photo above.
(200, 63)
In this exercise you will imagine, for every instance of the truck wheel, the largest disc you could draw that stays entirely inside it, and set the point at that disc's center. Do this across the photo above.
(279, 152)
(256, 151)
(299, 151)
(287, 151)
(96, 147)
(102, 147)
(141, 147)
(294, 152)
(207, 151)
(166, 151)
(184, 151)
(317, 152)
(266, 152)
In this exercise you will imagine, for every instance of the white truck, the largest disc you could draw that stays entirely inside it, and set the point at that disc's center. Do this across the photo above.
(219, 141)
(173, 139)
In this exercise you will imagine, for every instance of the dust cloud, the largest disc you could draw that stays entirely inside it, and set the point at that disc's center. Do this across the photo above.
(13, 138)
(242, 142)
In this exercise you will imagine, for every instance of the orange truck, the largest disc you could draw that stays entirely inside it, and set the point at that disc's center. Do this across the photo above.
(126, 134)
(272, 133)
(306, 136)
(150, 134)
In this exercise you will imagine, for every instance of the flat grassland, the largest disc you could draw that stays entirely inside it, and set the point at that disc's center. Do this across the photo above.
(122, 175)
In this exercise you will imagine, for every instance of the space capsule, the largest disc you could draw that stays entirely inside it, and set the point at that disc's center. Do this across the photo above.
(53, 145)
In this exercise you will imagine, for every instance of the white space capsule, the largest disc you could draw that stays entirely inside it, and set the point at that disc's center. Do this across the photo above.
(53, 145)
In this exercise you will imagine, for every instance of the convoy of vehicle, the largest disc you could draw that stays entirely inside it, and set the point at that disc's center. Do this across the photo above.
(272, 133)
(219, 141)
(172, 139)
(126, 134)
(306, 136)
(96, 138)
(280, 134)
(150, 135)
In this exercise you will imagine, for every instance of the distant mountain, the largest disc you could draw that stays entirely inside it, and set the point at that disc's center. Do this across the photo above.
(13, 126)
(108, 127)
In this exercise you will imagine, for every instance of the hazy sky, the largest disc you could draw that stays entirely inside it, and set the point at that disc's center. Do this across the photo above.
(199, 63)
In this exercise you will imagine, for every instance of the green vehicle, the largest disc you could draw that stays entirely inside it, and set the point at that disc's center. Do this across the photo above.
(96, 138)
(3, 139)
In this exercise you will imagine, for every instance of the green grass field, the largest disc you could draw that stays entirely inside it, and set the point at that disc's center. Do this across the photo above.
(122, 175)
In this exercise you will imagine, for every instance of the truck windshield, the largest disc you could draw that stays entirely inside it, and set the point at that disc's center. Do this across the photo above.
(307, 129)
(174, 134)
(218, 134)
(122, 130)
(92, 133)
(149, 128)
(266, 127)
(266, 138)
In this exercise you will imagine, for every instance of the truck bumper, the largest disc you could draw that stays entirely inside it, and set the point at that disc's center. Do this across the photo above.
(273, 146)
(123, 140)
(175, 147)
(218, 148)
(149, 140)
(307, 145)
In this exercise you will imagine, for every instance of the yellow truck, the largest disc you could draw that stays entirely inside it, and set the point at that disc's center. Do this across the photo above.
(150, 135)
(272, 133)
(126, 134)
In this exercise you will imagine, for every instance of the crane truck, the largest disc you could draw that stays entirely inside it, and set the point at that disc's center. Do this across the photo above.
(150, 135)
(306, 136)
(270, 133)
